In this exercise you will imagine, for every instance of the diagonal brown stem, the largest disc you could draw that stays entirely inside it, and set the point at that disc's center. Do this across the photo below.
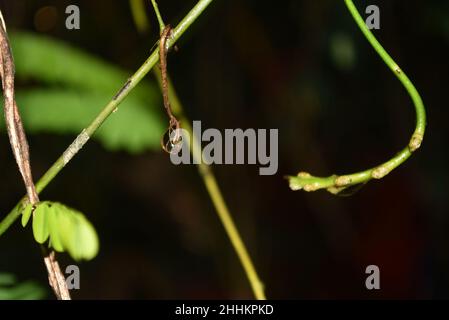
(14, 125)
(20, 150)
(55, 276)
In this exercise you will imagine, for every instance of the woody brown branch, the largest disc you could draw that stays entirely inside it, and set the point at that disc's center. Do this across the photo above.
(19, 145)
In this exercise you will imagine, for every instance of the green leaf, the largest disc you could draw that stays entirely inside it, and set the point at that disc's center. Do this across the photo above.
(68, 229)
(67, 225)
(76, 234)
(54, 230)
(84, 243)
(40, 223)
(26, 214)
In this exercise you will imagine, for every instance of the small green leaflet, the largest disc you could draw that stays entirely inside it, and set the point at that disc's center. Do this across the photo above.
(40, 223)
(26, 214)
(66, 229)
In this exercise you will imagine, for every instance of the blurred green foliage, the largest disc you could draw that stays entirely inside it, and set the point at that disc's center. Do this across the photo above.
(342, 51)
(65, 88)
(10, 289)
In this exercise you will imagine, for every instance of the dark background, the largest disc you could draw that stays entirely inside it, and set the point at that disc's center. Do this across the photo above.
(258, 64)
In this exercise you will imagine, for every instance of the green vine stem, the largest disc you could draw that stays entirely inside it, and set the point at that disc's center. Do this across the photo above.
(216, 196)
(158, 15)
(337, 183)
(85, 135)
(210, 182)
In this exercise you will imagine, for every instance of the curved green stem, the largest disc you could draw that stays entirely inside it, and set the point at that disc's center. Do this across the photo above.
(84, 136)
(334, 183)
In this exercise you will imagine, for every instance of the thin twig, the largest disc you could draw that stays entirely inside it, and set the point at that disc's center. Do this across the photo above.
(163, 63)
(20, 149)
(158, 15)
(174, 134)
(55, 276)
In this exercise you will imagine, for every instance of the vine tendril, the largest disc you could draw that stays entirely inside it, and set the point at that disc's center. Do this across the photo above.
(337, 183)
(173, 133)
